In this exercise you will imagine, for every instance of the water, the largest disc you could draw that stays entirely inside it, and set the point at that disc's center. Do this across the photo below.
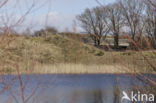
(106, 88)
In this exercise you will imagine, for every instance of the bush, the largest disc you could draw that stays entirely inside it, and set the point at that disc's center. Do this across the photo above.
(150, 55)
(52, 30)
(126, 53)
(100, 53)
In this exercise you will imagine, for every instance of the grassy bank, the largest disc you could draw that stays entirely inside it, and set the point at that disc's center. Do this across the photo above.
(65, 54)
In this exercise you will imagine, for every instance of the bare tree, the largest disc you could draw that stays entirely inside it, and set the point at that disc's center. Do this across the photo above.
(94, 24)
(151, 3)
(9, 21)
(150, 21)
(132, 10)
(114, 21)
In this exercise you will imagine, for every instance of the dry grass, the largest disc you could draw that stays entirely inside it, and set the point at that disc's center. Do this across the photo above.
(77, 69)
(62, 54)
(80, 69)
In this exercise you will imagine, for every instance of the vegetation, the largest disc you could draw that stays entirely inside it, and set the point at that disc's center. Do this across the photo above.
(93, 22)
(47, 47)
(135, 19)
(48, 52)
(45, 32)
(58, 53)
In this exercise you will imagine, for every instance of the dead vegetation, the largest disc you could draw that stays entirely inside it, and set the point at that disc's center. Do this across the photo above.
(63, 54)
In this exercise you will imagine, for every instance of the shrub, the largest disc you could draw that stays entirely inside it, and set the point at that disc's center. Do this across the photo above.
(127, 53)
(100, 53)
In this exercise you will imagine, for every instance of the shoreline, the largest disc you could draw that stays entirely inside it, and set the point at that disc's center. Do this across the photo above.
(138, 73)
(72, 69)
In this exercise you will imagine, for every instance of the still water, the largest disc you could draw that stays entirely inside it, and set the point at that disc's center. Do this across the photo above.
(99, 88)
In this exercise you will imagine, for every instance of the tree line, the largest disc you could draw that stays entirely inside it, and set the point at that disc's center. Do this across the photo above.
(46, 31)
(136, 19)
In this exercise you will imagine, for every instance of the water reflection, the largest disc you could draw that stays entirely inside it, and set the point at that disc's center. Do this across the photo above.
(105, 88)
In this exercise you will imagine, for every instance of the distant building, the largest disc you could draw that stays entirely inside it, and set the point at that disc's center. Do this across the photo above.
(122, 42)
(108, 42)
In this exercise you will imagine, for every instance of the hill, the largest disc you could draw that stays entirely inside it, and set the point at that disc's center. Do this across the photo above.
(63, 54)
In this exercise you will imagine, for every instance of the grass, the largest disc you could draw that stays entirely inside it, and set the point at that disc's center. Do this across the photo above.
(64, 54)
(74, 69)
(79, 69)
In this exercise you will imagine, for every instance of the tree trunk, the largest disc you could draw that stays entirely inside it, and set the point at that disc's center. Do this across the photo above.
(95, 42)
(116, 40)
(98, 42)
(133, 37)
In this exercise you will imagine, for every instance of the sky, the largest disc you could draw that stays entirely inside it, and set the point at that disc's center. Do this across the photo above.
(57, 13)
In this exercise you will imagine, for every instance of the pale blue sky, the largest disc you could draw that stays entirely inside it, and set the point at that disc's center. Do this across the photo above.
(74, 6)
(57, 13)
